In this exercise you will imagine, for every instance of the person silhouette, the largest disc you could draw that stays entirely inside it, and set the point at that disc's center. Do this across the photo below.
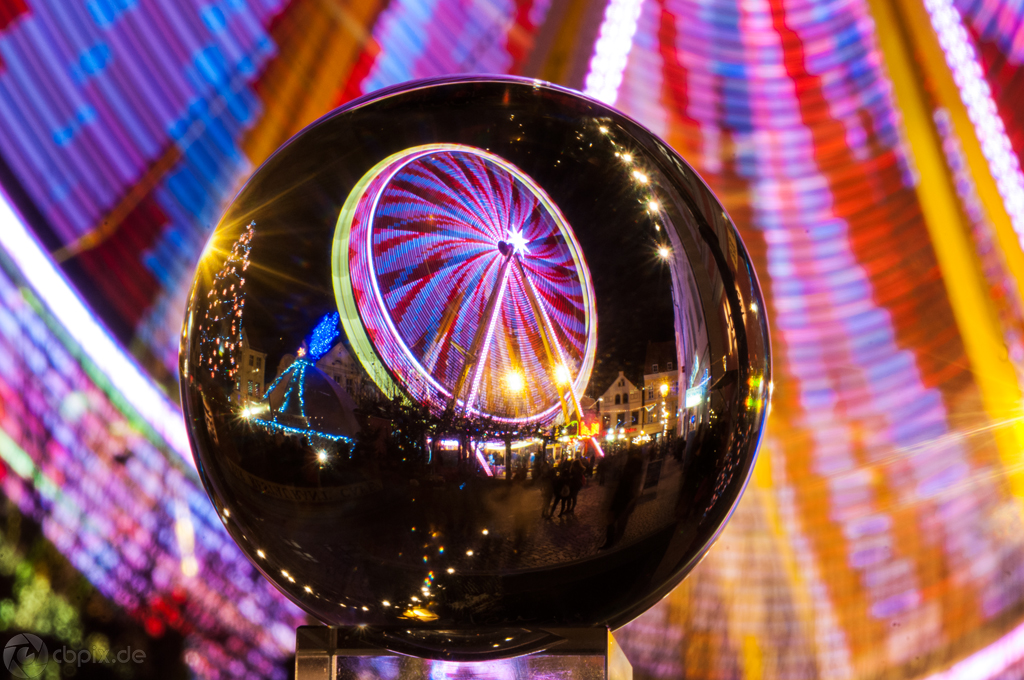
(624, 499)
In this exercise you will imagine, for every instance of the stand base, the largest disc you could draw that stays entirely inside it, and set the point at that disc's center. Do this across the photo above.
(329, 653)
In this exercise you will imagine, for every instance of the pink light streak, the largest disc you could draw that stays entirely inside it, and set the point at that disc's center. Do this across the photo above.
(483, 462)
(962, 59)
(479, 368)
(988, 661)
(611, 50)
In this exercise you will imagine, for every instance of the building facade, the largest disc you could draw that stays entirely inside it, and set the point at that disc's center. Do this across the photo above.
(661, 389)
(346, 371)
(620, 407)
(249, 380)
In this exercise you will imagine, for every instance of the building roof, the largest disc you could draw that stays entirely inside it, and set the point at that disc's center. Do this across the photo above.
(614, 388)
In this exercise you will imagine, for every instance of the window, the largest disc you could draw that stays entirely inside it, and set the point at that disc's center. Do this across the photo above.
(348, 384)
(634, 418)
(654, 368)
(622, 383)
(250, 386)
(620, 420)
(618, 398)
(259, 363)
(650, 392)
(607, 420)
(668, 366)
(250, 360)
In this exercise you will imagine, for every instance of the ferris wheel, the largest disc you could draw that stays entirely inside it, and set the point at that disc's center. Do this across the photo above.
(461, 285)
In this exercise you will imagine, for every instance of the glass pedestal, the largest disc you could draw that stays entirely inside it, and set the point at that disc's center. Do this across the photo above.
(332, 653)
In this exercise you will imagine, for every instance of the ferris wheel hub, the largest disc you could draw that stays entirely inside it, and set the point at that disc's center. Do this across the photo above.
(517, 241)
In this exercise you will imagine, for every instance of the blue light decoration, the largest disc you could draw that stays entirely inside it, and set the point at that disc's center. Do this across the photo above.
(289, 413)
(303, 432)
(323, 336)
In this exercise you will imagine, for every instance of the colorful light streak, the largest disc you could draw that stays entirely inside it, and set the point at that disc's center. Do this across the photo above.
(611, 51)
(991, 661)
(998, 22)
(981, 108)
(93, 339)
(422, 39)
(118, 504)
(127, 150)
(1003, 289)
(782, 107)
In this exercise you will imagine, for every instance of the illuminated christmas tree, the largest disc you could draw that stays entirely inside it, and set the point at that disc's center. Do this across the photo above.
(220, 329)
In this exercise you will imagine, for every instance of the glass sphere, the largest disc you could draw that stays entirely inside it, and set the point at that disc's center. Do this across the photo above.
(473, 355)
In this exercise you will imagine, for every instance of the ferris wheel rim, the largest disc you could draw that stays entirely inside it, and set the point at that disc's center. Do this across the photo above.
(353, 316)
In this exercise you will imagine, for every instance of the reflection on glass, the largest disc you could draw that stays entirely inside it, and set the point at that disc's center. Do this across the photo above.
(491, 366)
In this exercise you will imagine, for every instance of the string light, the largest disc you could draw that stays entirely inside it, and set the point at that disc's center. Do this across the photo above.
(295, 430)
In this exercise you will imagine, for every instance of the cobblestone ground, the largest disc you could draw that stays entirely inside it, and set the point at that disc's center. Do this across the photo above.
(521, 538)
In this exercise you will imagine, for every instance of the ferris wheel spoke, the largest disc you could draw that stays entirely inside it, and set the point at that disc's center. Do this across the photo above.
(427, 288)
(552, 347)
(485, 326)
(431, 267)
(441, 337)
(484, 189)
(495, 314)
(427, 196)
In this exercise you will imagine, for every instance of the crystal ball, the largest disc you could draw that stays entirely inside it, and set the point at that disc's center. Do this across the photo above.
(468, 360)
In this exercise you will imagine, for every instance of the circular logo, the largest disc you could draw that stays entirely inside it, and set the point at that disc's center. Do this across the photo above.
(25, 656)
